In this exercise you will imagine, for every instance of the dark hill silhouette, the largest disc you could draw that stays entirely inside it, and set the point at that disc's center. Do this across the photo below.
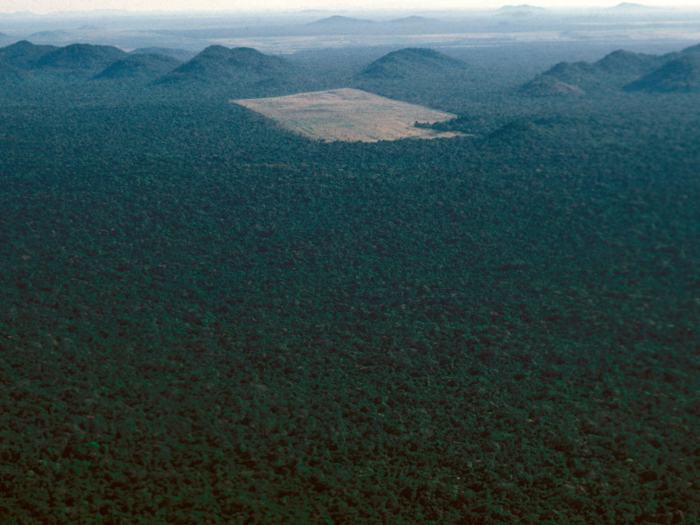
(411, 62)
(410, 20)
(412, 75)
(80, 57)
(520, 11)
(179, 54)
(681, 75)
(24, 54)
(249, 71)
(691, 49)
(630, 6)
(340, 21)
(625, 62)
(521, 7)
(610, 73)
(139, 66)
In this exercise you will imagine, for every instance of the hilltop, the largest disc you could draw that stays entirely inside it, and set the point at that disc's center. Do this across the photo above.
(623, 62)
(630, 6)
(80, 57)
(681, 75)
(520, 11)
(412, 62)
(610, 73)
(340, 21)
(412, 75)
(24, 54)
(140, 66)
(244, 68)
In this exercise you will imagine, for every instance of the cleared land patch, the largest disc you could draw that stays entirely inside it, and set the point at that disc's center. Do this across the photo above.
(349, 115)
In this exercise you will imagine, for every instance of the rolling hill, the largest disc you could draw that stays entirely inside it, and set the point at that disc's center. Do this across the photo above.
(412, 75)
(246, 69)
(338, 21)
(412, 62)
(24, 54)
(546, 86)
(623, 62)
(411, 20)
(681, 75)
(691, 49)
(628, 7)
(610, 73)
(139, 66)
(80, 58)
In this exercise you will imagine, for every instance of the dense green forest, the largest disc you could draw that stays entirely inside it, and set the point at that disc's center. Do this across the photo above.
(205, 318)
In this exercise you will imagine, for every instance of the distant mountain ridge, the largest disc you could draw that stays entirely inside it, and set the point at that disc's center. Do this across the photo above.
(630, 6)
(338, 20)
(414, 20)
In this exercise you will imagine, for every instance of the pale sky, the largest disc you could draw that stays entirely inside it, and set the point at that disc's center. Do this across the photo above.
(48, 6)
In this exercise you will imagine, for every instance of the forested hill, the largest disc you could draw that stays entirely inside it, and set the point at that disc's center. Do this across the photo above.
(205, 318)
(244, 70)
(412, 62)
(141, 65)
(411, 74)
(678, 75)
(79, 57)
(24, 54)
(616, 71)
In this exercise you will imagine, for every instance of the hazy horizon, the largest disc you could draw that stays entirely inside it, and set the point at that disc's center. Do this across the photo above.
(213, 6)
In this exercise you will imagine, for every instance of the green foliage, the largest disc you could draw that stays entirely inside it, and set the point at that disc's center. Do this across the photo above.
(205, 319)
(680, 75)
(143, 65)
(247, 70)
(619, 70)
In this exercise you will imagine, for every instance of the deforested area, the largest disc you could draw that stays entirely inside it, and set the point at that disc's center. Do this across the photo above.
(206, 317)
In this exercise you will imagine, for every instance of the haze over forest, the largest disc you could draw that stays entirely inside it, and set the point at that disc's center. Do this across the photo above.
(350, 266)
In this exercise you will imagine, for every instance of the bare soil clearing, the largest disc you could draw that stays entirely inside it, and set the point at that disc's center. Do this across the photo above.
(349, 115)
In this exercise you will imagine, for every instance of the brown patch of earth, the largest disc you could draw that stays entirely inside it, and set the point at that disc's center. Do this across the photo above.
(349, 115)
